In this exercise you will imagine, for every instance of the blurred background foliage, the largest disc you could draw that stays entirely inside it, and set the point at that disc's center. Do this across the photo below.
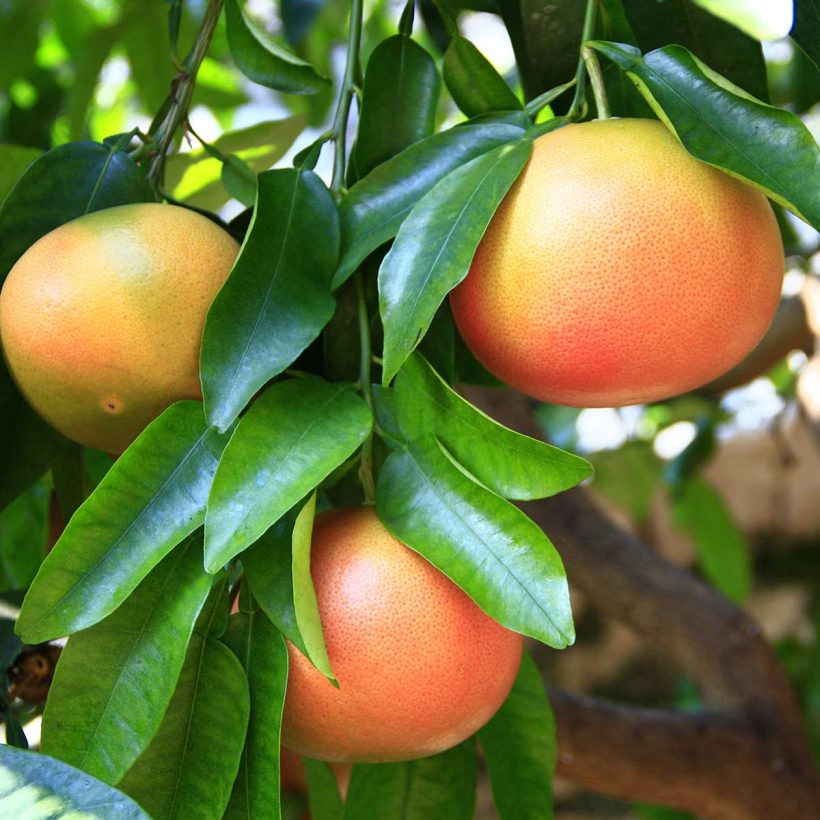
(724, 481)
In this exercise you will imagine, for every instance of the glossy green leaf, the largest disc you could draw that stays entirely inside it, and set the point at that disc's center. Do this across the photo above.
(719, 44)
(268, 566)
(374, 208)
(323, 791)
(508, 463)
(304, 595)
(435, 246)
(62, 184)
(239, 180)
(277, 298)
(295, 434)
(520, 748)
(806, 29)
(189, 767)
(264, 61)
(35, 786)
(497, 555)
(719, 124)
(23, 527)
(399, 98)
(127, 668)
(151, 498)
(14, 159)
(723, 553)
(439, 786)
(476, 86)
(263, 654)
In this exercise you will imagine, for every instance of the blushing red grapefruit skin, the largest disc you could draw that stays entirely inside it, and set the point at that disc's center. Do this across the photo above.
(420, 667)
(620, 270)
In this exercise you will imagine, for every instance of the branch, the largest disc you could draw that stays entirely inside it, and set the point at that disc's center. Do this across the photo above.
(700, 631)
(711, 764)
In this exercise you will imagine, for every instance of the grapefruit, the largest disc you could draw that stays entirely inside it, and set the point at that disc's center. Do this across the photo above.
(619, 270)
(101, 319)
(420, 667)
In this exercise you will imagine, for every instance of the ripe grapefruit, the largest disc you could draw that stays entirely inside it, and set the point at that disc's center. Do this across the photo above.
(620, 270)
(420, 667)
(101, 319)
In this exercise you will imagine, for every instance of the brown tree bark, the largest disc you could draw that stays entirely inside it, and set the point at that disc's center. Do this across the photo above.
(747, 756)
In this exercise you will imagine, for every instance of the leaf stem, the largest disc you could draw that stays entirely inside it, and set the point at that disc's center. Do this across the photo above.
(596, 79)
(182, 92)
(365, 359)
(339, 127)
(579, 100)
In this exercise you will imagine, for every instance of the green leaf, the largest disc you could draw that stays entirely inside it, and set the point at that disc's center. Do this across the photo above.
(628, 477)
(126, 668)
(295, 434)
(719, 124)
(71, 485)
(520, 748)
(806, 29)
(152, 498)
(435, 246)
(497, 555)
(439, 786)
(14, 159)
(476, 86)
(268, 566)
(323, 791)
(263, 654)
(239, 180)
(189, 767)
(277, 298)
(304, 595)
(23, 526)
(265, 62)
(720, 45)
(34, 786)
(62, 184)
(374, 208)
(508, 463)
(399, 98)
(148, 48)
(723, 554)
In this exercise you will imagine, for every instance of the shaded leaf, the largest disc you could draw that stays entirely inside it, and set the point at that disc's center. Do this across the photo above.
(484, 544)
(323, 791)
(23, 526)
(806, 29)
(399, 98)
(152, 497)
(14, 159)
(719, 124)
(263, 654)
(439, 786)
(723, 554)
(520, 747)
(277, 298)
(184, 773)
(435, 246)
(762, 21)
(476, 86)
(126, 668)
(33, 785)
(295, 434)
(373, 209)
(264, 61)
(510, 464)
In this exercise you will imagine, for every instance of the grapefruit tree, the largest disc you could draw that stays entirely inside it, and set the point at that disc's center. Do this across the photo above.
(309, 536)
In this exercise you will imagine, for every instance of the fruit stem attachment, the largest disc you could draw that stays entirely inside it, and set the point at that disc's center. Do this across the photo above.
(365, 359)
(596, 80)
(181, 93)
(339, 127)
(579, 100)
